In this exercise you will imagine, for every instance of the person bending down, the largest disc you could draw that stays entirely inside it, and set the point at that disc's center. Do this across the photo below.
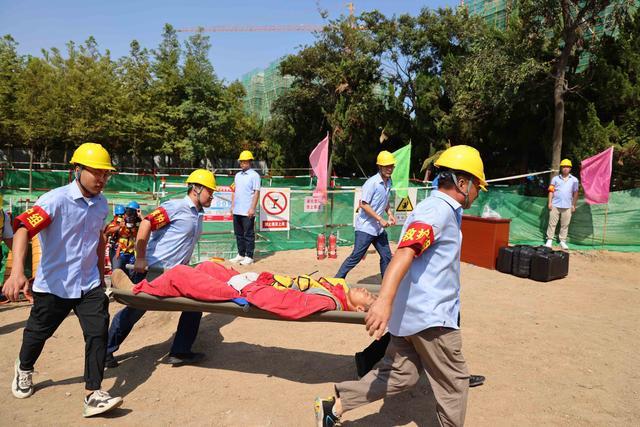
(289, 297)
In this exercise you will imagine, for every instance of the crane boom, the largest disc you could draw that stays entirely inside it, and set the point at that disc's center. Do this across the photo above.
(253, 28)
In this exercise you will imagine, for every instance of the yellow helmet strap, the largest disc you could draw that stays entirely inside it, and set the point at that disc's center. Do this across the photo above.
(79, 170)
(197, 190)
(467, 203)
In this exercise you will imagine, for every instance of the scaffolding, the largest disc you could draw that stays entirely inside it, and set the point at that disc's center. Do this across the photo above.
(262, 88)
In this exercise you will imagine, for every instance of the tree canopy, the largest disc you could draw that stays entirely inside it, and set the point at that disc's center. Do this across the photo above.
(541, 88)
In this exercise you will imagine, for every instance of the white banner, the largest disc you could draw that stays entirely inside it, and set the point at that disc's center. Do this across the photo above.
(356, 203)
(220, 209)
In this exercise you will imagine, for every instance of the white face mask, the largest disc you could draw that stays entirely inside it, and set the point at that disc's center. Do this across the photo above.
(130, 225)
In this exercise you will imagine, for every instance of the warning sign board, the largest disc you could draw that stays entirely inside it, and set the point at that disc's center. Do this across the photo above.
(403, 206)
(313, 204)
(220, 209)
(274, 209)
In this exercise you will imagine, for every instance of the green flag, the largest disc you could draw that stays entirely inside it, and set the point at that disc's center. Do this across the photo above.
(400, 174)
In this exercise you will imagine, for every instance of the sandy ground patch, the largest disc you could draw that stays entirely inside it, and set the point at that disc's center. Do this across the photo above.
(558, 353)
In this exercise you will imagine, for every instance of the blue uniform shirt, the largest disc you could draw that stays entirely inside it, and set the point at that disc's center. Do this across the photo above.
(6, 232)
(177, 226)
(245, 184)
(376, 194)
(563, 191)
(69, 264)
(429, 294)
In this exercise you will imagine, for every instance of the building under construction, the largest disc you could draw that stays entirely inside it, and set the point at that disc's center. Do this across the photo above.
(263, 87)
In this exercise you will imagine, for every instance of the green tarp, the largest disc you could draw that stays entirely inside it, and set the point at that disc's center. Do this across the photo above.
(615, 226)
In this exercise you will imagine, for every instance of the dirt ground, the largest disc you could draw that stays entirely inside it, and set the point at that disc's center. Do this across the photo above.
(558, 353)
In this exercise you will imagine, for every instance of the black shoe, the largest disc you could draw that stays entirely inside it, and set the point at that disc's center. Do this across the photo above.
(110, 361)
(476, 380)
(179, 359)
(324, 412)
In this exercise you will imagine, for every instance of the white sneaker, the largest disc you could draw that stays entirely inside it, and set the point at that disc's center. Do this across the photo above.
(237, 259)
(99, 402)
(22, 385)
(563, 245)
(246, 261)
(549, 243)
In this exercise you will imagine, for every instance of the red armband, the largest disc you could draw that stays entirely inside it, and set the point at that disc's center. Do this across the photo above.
(552, 188)
(34, 220)
(419, 236)
(158, 218)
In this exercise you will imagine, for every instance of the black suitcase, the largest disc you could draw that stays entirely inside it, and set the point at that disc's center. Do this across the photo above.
(521, 265)
(505, 259)
(549, 265)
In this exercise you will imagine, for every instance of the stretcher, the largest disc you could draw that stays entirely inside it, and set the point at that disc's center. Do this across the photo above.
(152, 303)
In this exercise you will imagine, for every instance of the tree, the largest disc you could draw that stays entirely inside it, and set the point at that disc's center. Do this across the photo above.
(11, 65)
(567, 27)
(340, 75)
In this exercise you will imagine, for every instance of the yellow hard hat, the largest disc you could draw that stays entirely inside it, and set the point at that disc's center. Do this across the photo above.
(92, 155)
(202, 177)
(385, 158)
(245, 155)
(566, 162)
(463, 158)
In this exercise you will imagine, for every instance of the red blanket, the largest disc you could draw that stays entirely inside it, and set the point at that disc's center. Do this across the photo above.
(208, 282)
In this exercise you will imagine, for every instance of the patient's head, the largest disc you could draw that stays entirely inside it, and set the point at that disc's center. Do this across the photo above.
(360, 299)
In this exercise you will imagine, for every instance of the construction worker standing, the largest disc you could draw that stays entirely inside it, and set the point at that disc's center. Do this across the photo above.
(370, 225)
(419, 301)
(246, 190)
(563, 196)
(166, 238)
(69, 221)
(112, 231)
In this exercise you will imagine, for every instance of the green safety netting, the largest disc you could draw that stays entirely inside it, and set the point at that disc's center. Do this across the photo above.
(615, 226)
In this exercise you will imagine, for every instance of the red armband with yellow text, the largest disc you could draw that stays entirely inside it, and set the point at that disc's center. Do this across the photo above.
(34, 220)
(552, 188)
(418, 236)
(158, 218)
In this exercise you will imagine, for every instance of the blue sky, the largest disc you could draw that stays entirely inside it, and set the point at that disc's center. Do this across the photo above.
(38, 24)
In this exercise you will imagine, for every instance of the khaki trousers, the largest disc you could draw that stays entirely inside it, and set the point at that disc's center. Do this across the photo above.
(437, 351)
(564, 215)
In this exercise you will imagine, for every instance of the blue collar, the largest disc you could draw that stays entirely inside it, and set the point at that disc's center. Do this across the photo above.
(191, 204)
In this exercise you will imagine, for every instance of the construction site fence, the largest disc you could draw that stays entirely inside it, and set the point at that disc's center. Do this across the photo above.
(614, 226)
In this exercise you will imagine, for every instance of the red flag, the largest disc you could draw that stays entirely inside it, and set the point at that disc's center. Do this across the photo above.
(319, 159)
(596, 177)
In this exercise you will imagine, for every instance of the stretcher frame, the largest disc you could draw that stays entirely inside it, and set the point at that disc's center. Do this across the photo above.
(152, 303)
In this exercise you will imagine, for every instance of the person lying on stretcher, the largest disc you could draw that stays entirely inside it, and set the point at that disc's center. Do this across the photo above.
(289, 297)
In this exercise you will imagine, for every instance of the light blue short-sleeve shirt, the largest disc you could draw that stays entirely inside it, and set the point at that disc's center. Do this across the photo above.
(245, 184)
(563, 191)
(174, 243)
(7, 231)
(429, 294)
(69, 263)
(375, 192)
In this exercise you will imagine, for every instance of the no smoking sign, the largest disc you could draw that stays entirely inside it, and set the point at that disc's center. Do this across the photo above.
(275, 204)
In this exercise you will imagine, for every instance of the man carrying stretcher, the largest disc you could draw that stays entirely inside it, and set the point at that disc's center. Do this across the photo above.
(289, 297)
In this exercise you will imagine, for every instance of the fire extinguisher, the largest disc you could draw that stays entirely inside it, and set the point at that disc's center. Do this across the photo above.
(321, 246)
(333, 246)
